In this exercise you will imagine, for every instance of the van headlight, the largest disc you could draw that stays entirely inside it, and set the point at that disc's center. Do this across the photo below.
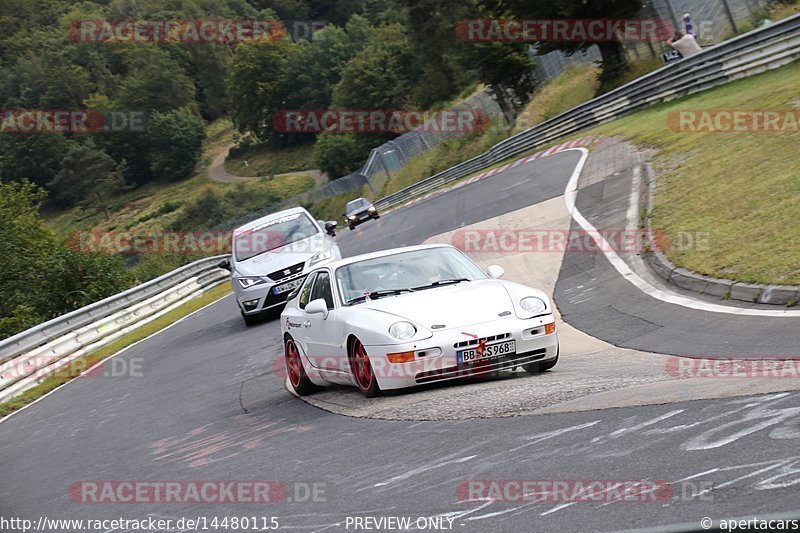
(402, 330)
(248, 281)
(320, 256)
(534, 305)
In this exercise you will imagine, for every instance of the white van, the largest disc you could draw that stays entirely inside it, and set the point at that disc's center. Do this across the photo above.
(271, 256)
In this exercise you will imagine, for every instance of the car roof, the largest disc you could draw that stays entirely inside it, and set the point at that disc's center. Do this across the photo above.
(383, 253)
(259, 221)
(359, 200)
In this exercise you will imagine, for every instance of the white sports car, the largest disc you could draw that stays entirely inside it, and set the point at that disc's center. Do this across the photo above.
(409, 316)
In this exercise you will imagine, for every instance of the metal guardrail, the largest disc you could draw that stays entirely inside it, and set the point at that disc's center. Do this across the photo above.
(31, 355)
(749, 54)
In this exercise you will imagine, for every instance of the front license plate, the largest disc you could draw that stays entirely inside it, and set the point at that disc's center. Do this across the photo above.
(280, 289)
(489, 352)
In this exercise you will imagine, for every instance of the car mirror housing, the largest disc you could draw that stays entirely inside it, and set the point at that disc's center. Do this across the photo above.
(495, 271)
(317, 307)
(330, 227)
(225, 263)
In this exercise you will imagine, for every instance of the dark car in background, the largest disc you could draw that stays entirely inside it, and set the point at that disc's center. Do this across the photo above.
(358, 211)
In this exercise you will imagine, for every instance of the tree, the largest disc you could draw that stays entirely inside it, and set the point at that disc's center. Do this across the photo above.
(614, 61)
(382, 75)
(155, 82)
(317, 66)
(503, 66)
(37, 266)
(432, 24)
(340, 154)
(88, 176)
(26, 246)
(31, 156)
(176, 143)
(257, 85)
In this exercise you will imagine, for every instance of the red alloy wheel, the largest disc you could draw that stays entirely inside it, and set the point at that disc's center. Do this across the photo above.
(293, 363)
(363, 368)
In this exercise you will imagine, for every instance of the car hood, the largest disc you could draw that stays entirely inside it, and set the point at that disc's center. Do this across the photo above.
(283, 257)
(453, 306)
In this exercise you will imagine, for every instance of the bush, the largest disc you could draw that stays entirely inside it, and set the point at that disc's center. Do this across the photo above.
(342, 154)
(207, 210)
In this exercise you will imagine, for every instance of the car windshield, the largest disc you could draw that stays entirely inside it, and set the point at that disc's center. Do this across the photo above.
(273, 234)
(355, 204)
(397, 273)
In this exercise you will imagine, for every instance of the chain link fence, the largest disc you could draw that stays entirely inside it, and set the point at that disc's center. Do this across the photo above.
(395, 154)
(713, 20)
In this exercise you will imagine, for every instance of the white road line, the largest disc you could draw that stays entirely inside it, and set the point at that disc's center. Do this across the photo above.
(571, 193)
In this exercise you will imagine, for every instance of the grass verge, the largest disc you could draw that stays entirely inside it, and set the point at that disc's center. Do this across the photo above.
(261, 160)
(575, 85)
(741, 188)
(74, 369)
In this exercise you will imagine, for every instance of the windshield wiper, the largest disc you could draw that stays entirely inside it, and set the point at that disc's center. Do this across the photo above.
(374, 295)
(441, 282)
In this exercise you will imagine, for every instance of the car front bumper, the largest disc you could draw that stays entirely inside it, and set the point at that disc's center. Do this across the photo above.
(436, 359)
(261, 297)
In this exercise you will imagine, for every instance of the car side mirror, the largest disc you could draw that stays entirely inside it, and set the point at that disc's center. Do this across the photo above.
(317, 307)
(225, 263)
(495, 271)
(330, 227)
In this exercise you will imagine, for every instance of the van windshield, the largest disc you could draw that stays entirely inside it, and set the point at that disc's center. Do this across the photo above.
(273, 234)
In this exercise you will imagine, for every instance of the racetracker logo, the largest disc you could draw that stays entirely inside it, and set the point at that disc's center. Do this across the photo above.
(511, 241)
(380, 121)
(182, 242)
(729, 367)
(187, 31)
(204, 491)
(71, 121)
(44, 366)
(734, 121)
(571, 490)
(565, 30)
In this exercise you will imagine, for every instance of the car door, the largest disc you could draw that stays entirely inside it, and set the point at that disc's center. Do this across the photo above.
(295, 316)
(324, 336)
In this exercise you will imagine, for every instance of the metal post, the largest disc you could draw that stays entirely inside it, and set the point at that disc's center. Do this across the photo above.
(371, 188)
(383, 164)
(673, 15)
(731, 15)
(424, 142)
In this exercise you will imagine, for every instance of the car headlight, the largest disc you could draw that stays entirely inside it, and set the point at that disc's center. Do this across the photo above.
(351, 217)
(402, 330)
(320, 256)
(533, 305)
(247, 282)
(371, 209)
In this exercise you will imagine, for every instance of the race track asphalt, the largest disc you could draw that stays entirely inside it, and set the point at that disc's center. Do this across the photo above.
(206, 405)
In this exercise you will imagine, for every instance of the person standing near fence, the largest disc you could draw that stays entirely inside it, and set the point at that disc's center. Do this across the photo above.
(688, 26)
(685, 44)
